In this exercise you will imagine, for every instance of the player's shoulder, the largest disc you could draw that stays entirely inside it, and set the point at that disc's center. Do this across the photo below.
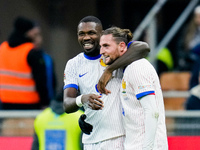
(76, 59)
(138, 68)
(139, 64)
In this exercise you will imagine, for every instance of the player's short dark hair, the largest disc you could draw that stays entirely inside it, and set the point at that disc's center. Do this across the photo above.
(91, 19)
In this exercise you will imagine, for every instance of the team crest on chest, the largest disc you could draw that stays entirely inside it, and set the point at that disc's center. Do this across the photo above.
(123, 86)
(101, 62)
(124, 90)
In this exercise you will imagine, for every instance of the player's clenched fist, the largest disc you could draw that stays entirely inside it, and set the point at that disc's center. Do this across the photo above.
(93, 101)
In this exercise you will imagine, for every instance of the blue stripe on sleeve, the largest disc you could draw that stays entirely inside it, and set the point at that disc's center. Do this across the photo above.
(144, 94)
(71, 86)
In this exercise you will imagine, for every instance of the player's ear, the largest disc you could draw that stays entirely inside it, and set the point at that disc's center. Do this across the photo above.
(122, 47)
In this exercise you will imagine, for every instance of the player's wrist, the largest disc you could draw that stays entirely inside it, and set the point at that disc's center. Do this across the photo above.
(78, 101)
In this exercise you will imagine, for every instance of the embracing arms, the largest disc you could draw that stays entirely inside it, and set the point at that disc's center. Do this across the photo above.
(136, 51)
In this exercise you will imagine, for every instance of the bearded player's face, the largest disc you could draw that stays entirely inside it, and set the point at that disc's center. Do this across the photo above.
(109, 48)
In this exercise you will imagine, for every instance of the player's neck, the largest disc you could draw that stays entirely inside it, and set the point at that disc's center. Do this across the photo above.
(94, 53)
(92, 57)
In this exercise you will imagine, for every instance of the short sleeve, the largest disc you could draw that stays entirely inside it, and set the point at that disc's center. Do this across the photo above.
(141, 80)
(70, 75)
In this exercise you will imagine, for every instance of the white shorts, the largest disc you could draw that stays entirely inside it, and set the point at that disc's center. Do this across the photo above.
(110, 144)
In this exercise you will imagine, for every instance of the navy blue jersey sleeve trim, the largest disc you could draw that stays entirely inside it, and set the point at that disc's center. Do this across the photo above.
(71, 86)
(92, 58)
(144, 94)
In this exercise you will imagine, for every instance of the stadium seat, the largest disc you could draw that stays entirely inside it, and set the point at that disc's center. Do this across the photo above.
(175, 85)
(17, 127)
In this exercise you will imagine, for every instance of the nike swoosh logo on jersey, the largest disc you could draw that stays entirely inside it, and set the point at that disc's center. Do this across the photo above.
(80, 75)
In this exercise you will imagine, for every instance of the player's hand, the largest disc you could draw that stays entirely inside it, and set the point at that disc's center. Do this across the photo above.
(85, 127)
(93, 101)
(101, 86)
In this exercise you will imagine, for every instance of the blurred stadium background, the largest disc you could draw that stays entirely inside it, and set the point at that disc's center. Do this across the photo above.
(59, 19)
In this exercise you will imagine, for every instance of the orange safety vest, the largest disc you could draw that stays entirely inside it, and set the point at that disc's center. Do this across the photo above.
(16, 81)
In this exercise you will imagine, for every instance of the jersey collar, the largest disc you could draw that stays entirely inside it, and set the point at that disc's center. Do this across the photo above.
(92, 58)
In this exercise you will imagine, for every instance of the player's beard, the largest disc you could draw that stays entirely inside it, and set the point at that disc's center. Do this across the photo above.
(109, 62)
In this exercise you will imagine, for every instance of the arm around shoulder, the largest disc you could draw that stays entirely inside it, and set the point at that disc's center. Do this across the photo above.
(136, 51)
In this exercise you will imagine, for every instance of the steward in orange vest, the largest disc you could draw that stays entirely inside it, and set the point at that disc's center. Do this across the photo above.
(22, 69)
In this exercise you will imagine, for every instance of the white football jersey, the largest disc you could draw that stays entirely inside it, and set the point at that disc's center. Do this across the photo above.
(83, 72)
(140, 79)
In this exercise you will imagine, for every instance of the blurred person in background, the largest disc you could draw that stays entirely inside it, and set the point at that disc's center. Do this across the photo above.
(50, 70)
(56, 130)
(189, 52)
(23, 80)
(193, 102)
(164, 61)
(189, 44)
